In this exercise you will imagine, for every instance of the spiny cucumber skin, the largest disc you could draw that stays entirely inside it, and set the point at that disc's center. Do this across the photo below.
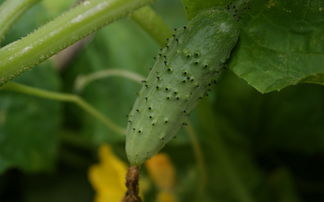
(185, 70)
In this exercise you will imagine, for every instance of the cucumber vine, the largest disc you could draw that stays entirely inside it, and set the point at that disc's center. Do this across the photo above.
(84, 19)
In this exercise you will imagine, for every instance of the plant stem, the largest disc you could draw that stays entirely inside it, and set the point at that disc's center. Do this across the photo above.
(10, 11)
(65, 98)
(153, 24)
(83, 80)
(198, 155)
(61, 32)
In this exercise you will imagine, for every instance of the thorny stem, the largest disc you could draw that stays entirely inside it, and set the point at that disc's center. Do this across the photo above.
(10, 11)
(73, 25)
(65, 98)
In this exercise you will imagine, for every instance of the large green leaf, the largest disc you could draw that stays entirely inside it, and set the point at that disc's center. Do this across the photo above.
(281, 44)
(29, 125)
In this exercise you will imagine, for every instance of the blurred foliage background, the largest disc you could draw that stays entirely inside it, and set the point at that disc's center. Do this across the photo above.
(252, 146)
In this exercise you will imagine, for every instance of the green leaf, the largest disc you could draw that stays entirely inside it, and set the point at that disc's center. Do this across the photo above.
(28, 138)
(281, 44)
(29, 125)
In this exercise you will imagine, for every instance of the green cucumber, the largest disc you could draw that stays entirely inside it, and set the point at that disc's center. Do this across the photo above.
(185, 70)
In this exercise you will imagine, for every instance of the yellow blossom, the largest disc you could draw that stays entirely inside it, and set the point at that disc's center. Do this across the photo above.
(108, 177)
(165, 196)
(162, 173)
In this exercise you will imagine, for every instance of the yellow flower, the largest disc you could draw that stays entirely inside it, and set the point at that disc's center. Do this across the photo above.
(165, 196)
(162, 173)
(108, 177)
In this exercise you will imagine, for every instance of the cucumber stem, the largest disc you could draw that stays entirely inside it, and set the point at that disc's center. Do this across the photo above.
(63, 31)
(132, 179)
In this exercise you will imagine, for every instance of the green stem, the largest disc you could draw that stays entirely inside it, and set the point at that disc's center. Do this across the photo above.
(10, 11)
(153, 24)
(84, 80)
(65, 98)
(198, 155)
(61, 32)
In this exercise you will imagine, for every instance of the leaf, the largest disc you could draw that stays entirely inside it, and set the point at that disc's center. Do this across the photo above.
(29, 125)
(28, 136)
(281, 44)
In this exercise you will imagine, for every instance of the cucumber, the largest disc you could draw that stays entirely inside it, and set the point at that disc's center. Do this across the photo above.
(184, 71)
